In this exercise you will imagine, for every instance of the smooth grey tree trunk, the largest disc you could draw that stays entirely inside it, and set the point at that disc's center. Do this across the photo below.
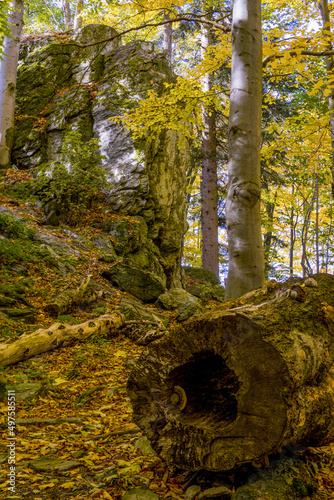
(78, 18)
(246, 260)
(168, 37)
(323, 5)
(67, 14)
(210, 253)
(8, 75)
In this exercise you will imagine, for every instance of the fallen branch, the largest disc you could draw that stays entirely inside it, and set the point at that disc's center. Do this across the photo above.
(83, 398)
(69, 297)
(136, 430)
(57, 335)
(48, 421)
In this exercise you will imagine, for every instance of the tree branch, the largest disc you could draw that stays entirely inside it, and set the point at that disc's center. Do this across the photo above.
(293, 53)
(224, 28)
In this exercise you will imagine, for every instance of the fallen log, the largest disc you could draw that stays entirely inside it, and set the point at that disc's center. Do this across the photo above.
(241, 382)
(70, 296)
(57, 335)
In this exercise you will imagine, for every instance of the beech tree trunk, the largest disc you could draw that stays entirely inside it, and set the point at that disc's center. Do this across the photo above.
(210, 253)
(78, 18)
(241, 382)
(67, 14)
(246, 260)
(8, 75)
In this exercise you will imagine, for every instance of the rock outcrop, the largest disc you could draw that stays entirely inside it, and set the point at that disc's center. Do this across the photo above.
(64, 84)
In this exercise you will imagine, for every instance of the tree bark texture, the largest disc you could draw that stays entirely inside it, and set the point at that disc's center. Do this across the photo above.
(241, 382)
(323, 5)
(67, 14)
(78, 18)
(67, 298)
(8, 75)
(168, 37)
(246, 260)
(210, 253)
(57, 335)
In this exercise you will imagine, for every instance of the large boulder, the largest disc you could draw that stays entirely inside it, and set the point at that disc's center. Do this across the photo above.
(63, 84)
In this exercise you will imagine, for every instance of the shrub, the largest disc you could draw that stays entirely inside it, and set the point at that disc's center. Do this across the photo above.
(76, 181)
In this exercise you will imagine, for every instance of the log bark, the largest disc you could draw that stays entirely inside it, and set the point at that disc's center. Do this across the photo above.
(67, 298)
(57, 335)
(243, 381)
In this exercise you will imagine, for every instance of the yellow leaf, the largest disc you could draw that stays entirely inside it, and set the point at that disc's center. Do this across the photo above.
(45, 486)
(120, 354)
(67, 485)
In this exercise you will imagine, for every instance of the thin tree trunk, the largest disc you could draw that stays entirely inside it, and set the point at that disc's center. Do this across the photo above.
(317, 222)
(246, 259)
(8, 75)
(67, 14)
(328, 245)
(168, 37)
(270, 209)
(292, 236)
(323, 5)
(307, 269)
(210, 253)
(78, 18)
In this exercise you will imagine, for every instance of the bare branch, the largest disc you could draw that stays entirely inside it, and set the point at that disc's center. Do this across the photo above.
(224, 28)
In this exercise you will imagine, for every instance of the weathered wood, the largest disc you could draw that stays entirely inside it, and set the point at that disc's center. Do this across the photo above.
(70, 296)
(240, 382)
(57, 335)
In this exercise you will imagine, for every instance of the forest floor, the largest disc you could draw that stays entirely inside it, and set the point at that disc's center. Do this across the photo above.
(94, 450)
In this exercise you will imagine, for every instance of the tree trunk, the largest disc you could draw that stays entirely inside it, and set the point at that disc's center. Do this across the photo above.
(8, 75)
(323, 5)
(268, 237)
(292, 233)
(57, 335)
(210, 253)
(168, 37)
(241, 382)
(246, 260)
(67, 14)
(78, 18)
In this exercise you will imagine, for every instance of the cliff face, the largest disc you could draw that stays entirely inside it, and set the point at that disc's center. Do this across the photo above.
(62, 86)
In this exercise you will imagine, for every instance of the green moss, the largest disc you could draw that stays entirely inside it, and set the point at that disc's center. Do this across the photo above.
(97, 67)
(22, 191)
(67, 318)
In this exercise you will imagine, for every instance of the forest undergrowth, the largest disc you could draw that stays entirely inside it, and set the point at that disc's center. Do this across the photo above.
(76, 438)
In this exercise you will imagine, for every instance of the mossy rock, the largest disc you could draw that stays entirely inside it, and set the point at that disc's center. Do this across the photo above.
(27, 391)
(173, 298)
(191, 306)
(201, 275)
(129, 234)
(142, 284)
(27, 315)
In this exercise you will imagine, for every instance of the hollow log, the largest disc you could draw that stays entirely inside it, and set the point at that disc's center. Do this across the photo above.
(241, 382)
